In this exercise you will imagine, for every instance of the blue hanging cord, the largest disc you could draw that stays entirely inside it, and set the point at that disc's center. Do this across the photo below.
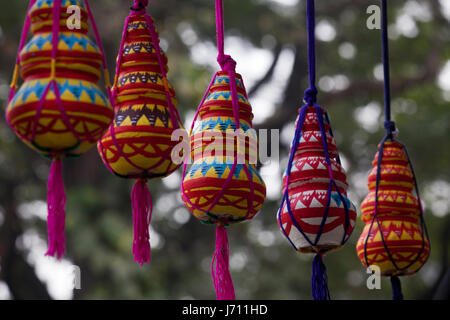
(389, 125)
(310, 96)
(319, 280)
(298, 133)
(319, 285)
(319, 277)
(396, 288)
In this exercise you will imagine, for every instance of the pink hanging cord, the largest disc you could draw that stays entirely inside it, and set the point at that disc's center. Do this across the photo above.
(139, 6)
(56, 196)
(141, 203)
(229, 65)
(56, 201)
(56, 16)
(174, 115)
(223, 284)
(222, 280)
(102, 50)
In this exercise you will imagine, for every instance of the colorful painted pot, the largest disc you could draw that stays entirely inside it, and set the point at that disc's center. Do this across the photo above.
(139, 143)
(393, 239)
(72, 124)
(202, 186)
(321, 217)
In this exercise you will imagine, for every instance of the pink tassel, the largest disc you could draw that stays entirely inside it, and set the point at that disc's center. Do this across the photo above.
(56, 201)
(220, 271)
(141, 203)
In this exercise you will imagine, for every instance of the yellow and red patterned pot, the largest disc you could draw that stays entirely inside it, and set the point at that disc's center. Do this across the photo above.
(244, 195)
(139, 144)
(73, 125)
(393, 239)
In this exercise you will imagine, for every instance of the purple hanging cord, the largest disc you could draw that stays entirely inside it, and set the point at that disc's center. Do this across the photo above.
(319, 277)
(310, 96)
(390, 127)
(319, 282)
(396, 288)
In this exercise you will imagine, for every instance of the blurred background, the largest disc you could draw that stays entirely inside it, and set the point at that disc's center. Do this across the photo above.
(267, 38)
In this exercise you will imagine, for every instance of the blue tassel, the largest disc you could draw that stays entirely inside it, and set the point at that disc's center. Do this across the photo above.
(396, 288)
(319, 280)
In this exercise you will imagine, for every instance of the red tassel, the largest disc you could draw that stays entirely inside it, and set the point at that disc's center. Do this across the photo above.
(56, 201)
(141, 203)
(220, 271)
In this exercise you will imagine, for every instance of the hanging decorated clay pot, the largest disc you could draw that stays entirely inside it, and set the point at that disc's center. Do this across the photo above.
(59, 110)
(138, 144)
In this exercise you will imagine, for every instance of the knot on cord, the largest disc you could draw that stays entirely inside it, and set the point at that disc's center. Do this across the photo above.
(139, 5)
(226, 62)
(390, 128)
(310, 96)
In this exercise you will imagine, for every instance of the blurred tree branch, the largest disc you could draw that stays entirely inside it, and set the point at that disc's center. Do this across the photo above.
(268, 75)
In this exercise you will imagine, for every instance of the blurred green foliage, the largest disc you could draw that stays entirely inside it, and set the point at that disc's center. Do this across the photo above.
(99, 230)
